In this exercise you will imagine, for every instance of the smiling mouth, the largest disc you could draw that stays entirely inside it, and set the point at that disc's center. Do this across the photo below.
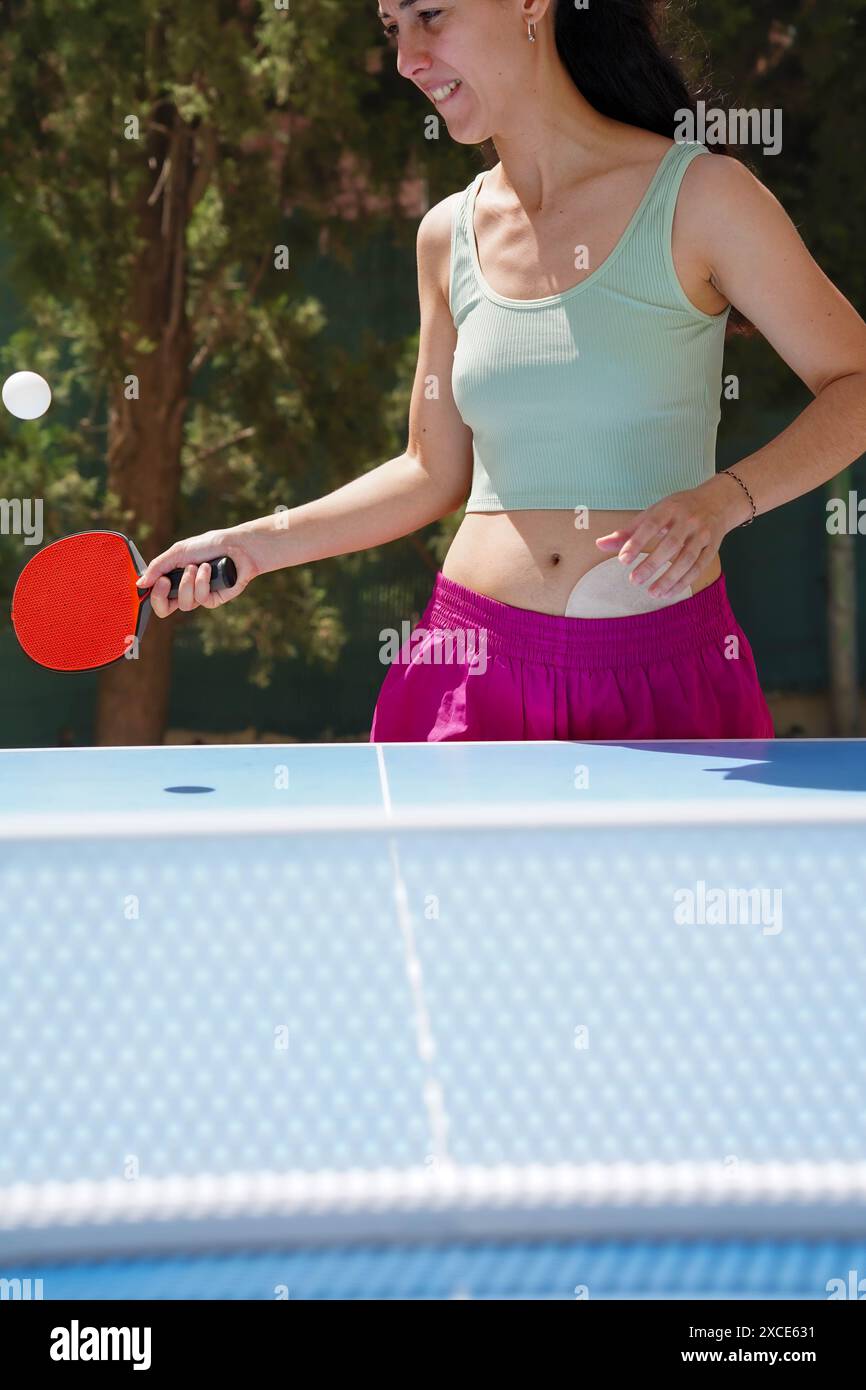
(441, 94)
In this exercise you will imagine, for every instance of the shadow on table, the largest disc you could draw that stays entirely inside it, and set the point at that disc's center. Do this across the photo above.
(837, 765)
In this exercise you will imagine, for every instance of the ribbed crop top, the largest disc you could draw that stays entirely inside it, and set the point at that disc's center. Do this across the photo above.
(604, 396)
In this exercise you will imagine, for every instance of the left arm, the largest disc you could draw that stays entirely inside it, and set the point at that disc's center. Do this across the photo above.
(751, 252)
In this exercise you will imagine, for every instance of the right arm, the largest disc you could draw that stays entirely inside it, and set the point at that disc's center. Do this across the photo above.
(427, 481)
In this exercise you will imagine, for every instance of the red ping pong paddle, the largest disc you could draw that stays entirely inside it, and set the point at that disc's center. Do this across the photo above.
(77, 605)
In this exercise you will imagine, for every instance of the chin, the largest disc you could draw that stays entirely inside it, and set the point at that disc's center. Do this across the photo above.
(462, 136)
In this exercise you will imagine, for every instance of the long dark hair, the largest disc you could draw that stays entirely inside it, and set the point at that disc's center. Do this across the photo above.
(616, 55)
(620, 59)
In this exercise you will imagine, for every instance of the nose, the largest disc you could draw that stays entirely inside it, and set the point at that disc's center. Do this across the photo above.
(413, 60)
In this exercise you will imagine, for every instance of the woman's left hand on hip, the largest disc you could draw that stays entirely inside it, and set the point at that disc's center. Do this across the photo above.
(686, 529)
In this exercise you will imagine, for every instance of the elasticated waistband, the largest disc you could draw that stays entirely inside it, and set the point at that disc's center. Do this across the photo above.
(588, 643)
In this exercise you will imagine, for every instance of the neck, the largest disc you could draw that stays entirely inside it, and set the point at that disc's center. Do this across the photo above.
(553, 138)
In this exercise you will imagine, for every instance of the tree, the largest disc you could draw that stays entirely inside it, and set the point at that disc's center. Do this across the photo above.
(156, 207)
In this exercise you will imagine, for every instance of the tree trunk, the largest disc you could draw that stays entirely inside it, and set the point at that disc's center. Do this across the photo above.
(145, 434)
(842, 623)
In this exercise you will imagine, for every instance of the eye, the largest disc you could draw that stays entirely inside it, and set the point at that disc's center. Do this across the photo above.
(426, 16)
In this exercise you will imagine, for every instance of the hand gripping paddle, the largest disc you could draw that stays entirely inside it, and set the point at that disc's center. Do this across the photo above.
(77, 605)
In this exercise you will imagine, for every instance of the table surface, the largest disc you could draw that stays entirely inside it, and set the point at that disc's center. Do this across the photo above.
(242, 777)
(290, 997)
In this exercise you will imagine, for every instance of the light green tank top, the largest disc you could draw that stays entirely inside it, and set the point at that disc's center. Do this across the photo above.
(605, 396)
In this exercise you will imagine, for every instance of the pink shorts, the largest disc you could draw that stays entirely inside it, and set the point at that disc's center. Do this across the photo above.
(474, 668)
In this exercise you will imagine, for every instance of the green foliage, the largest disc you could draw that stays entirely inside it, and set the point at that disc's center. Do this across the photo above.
(276, 415)
(283, 108)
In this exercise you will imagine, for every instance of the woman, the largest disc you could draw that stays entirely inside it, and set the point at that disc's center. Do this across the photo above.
(574, 300)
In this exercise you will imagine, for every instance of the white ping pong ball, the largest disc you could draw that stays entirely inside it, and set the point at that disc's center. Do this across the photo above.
(26, 395)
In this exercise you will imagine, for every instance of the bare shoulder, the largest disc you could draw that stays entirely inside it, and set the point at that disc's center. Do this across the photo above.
(724, 213)
(434, 243)
(758, 259)
(722, 192)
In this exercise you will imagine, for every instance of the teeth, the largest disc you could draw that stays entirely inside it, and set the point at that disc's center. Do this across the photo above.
(440, 93)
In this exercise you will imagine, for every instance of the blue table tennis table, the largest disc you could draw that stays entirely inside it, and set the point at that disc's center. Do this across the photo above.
(539, 1020)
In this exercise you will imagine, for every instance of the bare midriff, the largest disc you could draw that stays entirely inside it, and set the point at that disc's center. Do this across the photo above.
(533, 559)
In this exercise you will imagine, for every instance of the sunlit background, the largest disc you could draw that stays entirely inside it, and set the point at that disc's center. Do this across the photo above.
(207, 247)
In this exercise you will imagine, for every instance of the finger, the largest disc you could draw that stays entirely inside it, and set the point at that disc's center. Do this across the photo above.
(215, 599)
(696, 550)
(160, 602)
(201, 583)
(159, 565)
(689, 559)
(211, 599)
(663, 552)
(186, 590)
(613, 541)
(690, 576)
(645, 536)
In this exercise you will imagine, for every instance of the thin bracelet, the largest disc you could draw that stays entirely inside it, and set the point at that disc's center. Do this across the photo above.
(729, 473)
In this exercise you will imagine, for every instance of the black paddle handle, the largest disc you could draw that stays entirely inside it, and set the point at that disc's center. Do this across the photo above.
(223, 576)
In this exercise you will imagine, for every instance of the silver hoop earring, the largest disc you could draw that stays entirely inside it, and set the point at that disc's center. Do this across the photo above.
(531, 31)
